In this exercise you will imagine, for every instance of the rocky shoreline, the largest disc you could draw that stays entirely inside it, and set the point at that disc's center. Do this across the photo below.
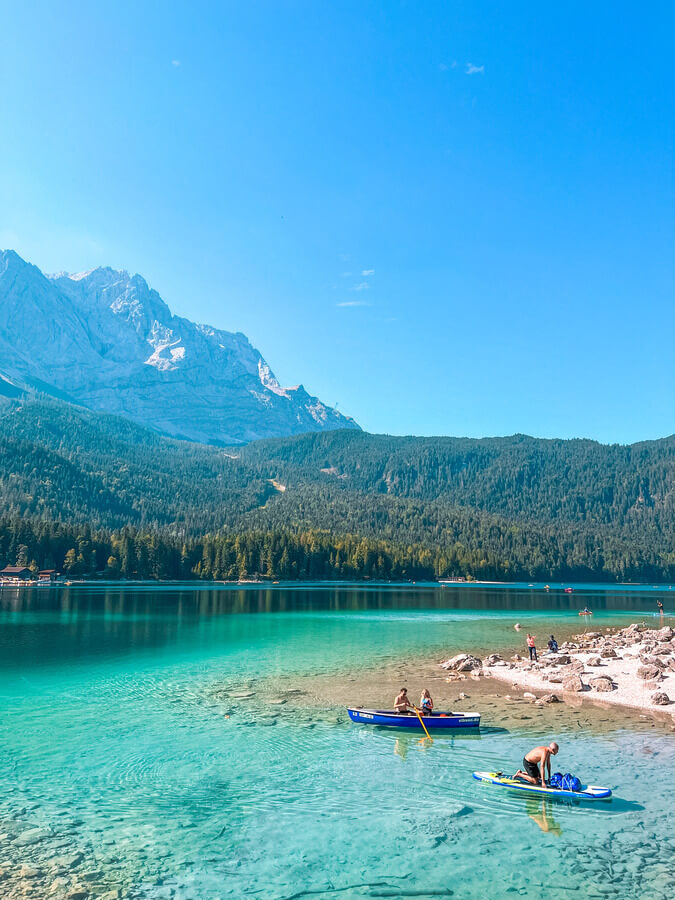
(632, 667)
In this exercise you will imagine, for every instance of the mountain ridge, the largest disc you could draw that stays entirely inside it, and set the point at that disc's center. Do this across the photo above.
(106, 340)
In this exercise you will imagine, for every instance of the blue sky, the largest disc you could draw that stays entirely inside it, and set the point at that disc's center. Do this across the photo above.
(449, 217)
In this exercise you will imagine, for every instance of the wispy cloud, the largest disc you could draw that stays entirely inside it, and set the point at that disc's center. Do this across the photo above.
(346, 274)
(367, 272)
(353, 303)
(175, 62)
(361, 286)
(474, 70)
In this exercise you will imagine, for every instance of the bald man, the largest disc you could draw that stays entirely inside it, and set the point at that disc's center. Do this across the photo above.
(537, 763)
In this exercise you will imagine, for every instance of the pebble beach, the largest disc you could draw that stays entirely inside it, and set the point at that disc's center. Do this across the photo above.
(631, 667)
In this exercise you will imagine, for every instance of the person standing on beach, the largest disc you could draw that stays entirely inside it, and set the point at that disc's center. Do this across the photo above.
(659, 603)
(531, 647)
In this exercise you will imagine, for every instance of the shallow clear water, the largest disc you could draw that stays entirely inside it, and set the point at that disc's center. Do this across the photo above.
(122, 732)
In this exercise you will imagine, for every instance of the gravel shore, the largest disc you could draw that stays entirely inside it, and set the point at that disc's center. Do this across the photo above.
(632, 667)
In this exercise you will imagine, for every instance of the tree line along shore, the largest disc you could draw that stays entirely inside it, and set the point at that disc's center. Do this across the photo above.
(276, 554)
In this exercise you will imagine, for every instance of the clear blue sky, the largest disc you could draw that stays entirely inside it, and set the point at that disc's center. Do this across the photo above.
(450, 217)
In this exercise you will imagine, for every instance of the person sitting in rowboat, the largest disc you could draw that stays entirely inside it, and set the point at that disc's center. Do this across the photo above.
(402, 704)
(536, 764)
(426, 703)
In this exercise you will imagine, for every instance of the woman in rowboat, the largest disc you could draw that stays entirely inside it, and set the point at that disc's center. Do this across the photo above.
(426, 703)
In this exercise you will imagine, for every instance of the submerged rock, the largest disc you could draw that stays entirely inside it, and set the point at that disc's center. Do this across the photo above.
(32, 836)
(78, 893)
(28, 871)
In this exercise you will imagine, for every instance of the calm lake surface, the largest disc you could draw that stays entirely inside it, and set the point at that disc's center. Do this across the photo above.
(141, 727)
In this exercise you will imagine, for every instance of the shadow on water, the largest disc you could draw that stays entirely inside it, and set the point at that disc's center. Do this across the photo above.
(611, 805)
(624, 806)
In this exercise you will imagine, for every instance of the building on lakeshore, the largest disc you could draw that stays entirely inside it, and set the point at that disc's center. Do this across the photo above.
(48, 575)
(16, 573)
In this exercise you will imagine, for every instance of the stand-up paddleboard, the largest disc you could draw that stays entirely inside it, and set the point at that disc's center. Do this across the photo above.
(587, 792)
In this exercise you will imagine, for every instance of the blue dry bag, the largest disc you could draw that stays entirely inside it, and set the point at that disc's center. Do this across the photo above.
(570, 783)
(556, 781)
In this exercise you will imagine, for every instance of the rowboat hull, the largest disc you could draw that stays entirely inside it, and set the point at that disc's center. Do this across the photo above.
(439, 721)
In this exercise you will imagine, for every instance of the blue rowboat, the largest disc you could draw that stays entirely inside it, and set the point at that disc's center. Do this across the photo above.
(435, 722)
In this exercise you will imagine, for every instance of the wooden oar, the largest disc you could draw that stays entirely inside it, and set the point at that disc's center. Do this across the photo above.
(422, 723)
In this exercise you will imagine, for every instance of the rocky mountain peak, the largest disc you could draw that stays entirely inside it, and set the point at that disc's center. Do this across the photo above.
(108, 340)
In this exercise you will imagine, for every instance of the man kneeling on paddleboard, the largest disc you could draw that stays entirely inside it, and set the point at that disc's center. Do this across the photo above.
(536, 764)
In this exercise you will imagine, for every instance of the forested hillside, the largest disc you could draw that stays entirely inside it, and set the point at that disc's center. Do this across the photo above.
(336, 505)
(518, 477)
(66, 463)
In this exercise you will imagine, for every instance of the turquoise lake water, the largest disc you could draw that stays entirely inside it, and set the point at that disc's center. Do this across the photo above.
(122, 732)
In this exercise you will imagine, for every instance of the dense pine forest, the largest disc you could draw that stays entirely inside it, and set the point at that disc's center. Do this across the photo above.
(95, 495)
